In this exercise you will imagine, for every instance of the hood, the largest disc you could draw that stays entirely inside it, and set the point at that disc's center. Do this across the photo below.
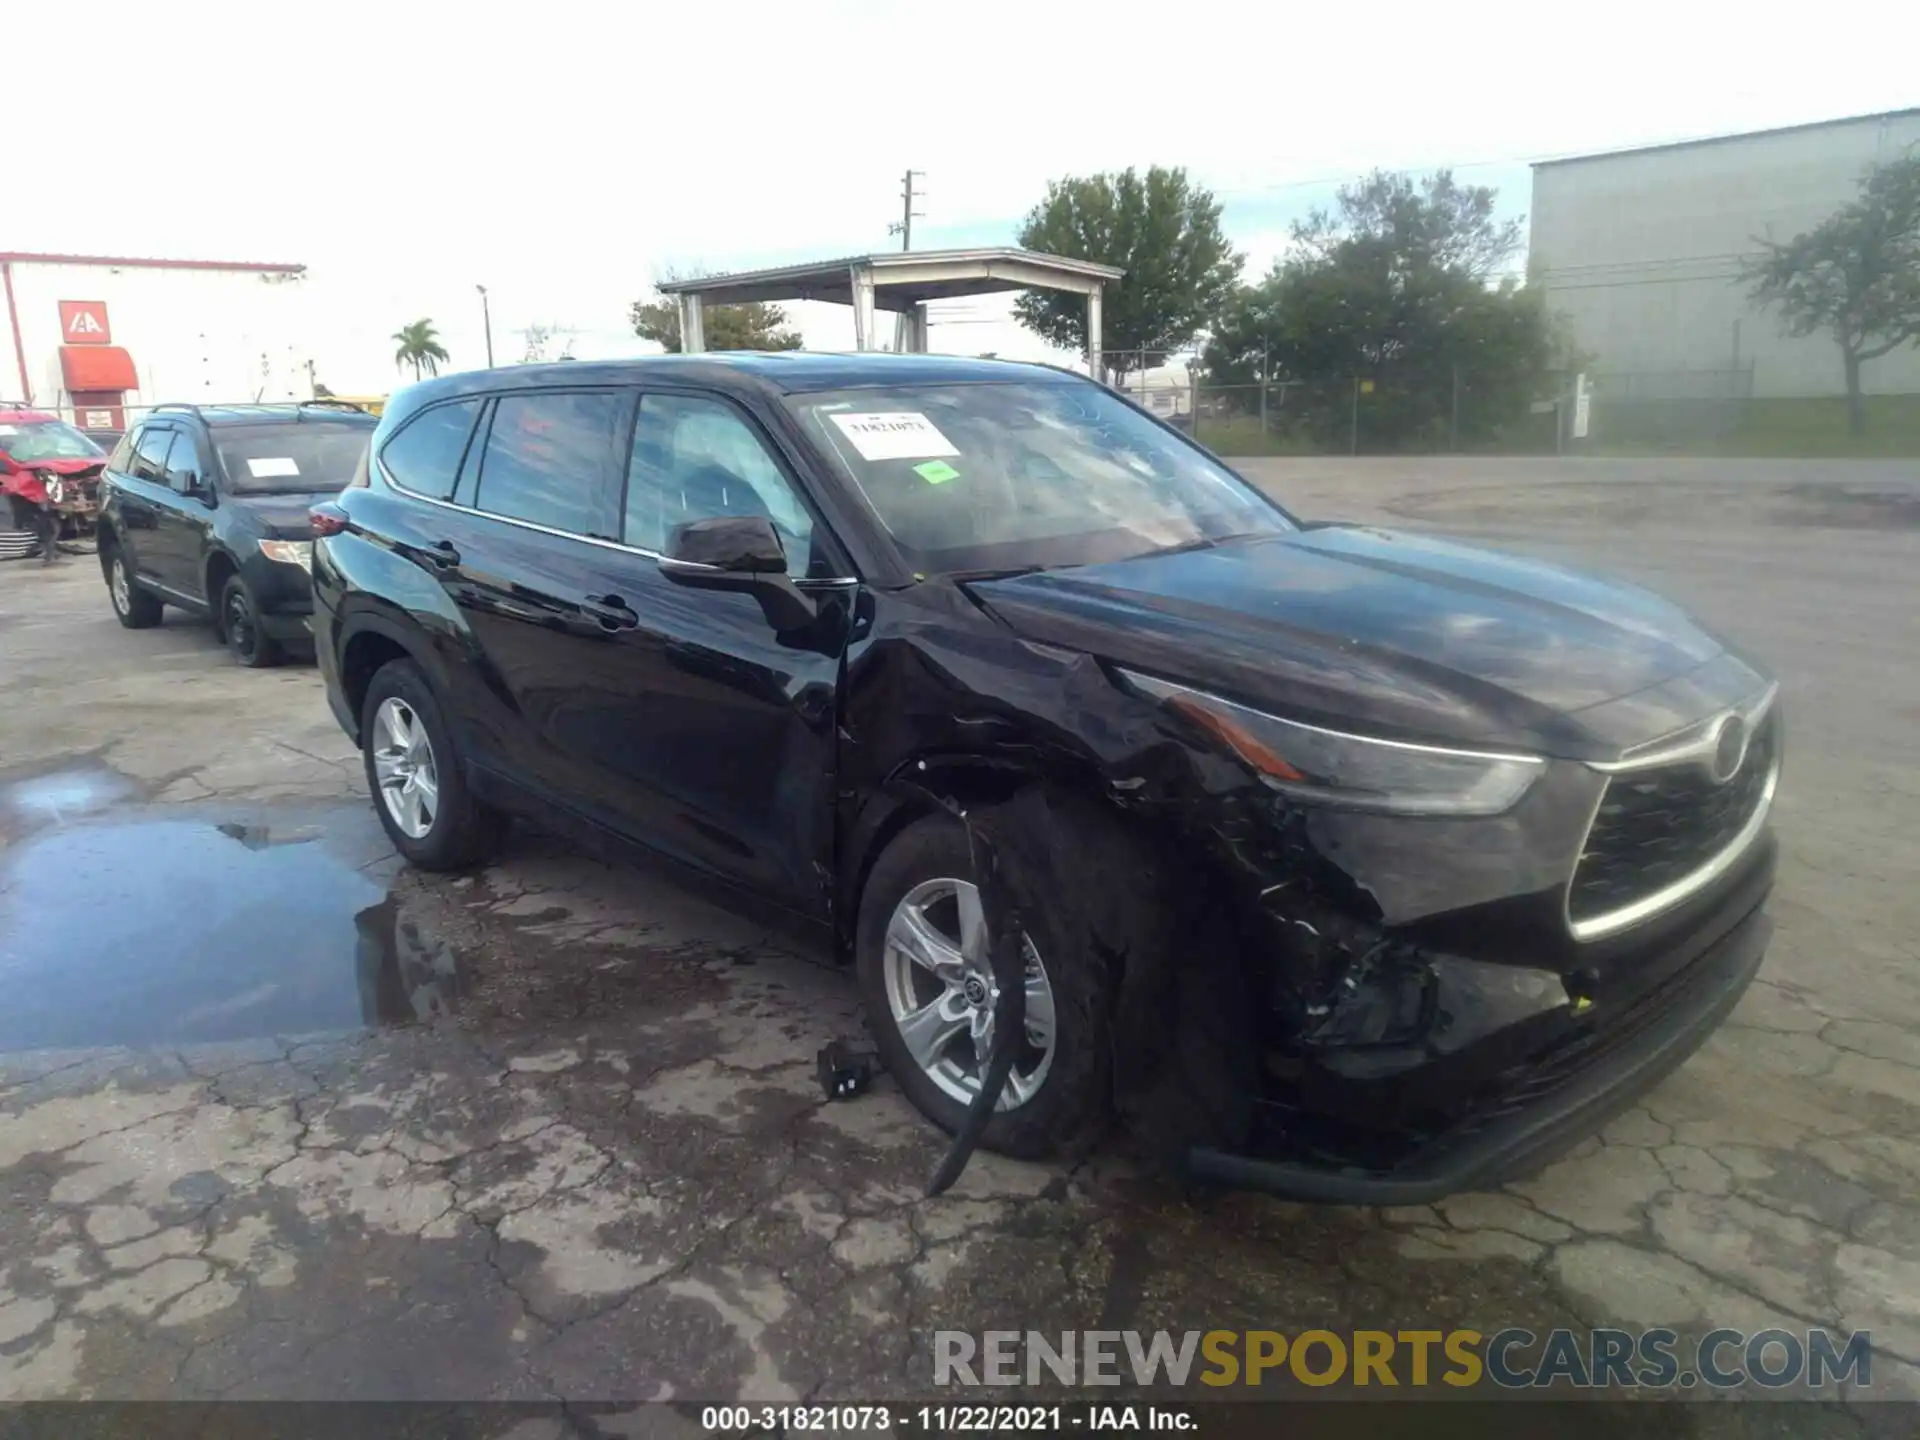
(1402, 634)
(71, 465)
(284, 517)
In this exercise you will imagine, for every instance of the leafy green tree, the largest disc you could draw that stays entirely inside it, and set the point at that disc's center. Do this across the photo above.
(1165, 232)
(1397, 291)
(1855, 275)
(420, 347)
(756, 326)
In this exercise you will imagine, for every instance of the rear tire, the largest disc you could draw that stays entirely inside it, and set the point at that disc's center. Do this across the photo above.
(435, 821)
(135, 608)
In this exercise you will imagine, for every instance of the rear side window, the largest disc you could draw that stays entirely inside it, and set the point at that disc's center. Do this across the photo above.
(555, 460)
(150, 455)
(424, 456)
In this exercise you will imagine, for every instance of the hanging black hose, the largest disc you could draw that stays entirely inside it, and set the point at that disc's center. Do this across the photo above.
(1006, 961)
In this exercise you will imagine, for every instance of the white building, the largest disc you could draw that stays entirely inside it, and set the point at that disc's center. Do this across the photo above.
(1640, 250)
(92, 336)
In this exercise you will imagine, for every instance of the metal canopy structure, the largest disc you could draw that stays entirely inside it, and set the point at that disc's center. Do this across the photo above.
(899, 281)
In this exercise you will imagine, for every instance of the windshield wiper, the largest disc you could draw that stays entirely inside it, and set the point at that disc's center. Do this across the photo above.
(1208, 542)
(1006, 572)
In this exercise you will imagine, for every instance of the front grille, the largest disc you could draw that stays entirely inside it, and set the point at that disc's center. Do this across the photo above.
(1656, 827)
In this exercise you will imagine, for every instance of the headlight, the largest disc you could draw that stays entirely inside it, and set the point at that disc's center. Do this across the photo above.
(289, 552)
(1354, 772)
(55, 487)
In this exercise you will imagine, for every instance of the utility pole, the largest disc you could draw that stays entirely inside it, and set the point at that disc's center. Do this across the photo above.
(486, 315)
(903, 227)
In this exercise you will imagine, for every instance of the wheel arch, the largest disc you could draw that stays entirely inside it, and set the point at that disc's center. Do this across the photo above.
(953, 782)
(219, 567)
(106, 540)
(369, 639)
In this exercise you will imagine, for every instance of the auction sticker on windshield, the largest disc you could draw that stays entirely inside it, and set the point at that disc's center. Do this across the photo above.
(272, 467)
(893, 435)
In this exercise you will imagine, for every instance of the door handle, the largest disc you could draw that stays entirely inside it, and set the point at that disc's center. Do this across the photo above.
(442, 555)
(610, 612)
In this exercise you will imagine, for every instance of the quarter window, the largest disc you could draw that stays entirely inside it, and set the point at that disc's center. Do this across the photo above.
(554, 459)
(694, 459)
(424, 456)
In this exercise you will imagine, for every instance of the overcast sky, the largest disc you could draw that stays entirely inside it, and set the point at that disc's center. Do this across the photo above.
(566, 154)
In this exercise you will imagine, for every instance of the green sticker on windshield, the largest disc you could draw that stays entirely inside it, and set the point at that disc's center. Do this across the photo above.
(936, 472)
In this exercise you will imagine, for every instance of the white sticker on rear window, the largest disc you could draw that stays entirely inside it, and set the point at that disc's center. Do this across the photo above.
(271, 467)
(9, 430)
(893, 435)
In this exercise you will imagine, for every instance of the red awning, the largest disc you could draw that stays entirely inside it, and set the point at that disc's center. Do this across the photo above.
(97, 367)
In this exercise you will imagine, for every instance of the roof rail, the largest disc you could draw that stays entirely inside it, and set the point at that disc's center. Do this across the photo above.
(295, 405)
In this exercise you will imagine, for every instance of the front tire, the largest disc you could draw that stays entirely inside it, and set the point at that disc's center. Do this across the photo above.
(415, 776)
(923, 984)
(240, 624)
(135, 608)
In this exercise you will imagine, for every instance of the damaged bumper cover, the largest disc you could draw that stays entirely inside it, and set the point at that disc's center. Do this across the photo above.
(1518, 1117)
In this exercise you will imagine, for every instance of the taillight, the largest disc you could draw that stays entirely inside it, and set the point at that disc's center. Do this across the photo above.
(328, 518)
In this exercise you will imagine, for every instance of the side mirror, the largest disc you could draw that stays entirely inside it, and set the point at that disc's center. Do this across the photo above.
(743, 554)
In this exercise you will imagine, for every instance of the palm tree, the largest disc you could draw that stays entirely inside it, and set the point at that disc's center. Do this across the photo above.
(420, 348)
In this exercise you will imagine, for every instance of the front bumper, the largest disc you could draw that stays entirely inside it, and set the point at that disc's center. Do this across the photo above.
(1559, 1098)
(283, 594)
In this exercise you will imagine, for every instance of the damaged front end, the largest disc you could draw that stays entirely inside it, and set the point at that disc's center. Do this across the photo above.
(1422, 1019)
(1369, 1002)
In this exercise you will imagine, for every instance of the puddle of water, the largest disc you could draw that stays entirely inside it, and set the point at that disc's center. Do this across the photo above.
(156, 932)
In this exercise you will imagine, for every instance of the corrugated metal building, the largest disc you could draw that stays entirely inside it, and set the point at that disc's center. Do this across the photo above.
(1640, 251)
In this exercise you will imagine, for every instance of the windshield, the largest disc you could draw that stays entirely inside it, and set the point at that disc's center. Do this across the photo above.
(1027, 473)
(301, 458)
(46, 440)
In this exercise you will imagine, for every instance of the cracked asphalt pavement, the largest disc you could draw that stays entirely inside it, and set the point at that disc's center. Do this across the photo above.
(279, 1119)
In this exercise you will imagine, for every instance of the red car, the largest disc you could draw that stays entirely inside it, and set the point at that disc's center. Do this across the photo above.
(49, 476)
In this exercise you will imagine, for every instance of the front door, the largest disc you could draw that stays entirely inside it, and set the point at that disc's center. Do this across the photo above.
(186, 515)
(723, 735)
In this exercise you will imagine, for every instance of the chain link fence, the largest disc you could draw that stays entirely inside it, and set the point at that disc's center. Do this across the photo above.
(1415, 410)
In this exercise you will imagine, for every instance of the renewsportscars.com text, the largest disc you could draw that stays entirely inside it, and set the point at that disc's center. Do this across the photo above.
(1511, 1359)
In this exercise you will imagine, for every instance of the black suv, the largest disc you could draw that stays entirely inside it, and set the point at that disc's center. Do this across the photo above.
(1347, 863)
(206, 508)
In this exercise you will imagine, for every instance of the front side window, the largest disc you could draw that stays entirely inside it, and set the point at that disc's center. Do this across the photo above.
(150, 454)
(1027, 473)
(424, 454)
(696, 459)
(554, 459)
(183, 463)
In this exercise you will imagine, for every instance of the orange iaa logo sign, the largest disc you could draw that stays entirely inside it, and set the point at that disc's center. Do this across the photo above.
(84, 322)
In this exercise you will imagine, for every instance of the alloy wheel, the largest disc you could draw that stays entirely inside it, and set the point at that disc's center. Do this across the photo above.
(409, 781)
(941, 992)
(117, 584)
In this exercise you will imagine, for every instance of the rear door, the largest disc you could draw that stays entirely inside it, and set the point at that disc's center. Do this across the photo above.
(534, 509)
(141, 498)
